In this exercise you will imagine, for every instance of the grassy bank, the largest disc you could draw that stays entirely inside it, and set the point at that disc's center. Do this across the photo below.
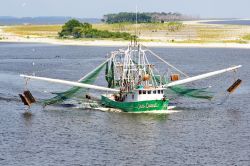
(246, 37)
(34, 30)
(152, 32)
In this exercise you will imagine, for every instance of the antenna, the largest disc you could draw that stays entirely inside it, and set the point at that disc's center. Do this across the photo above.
(134, 37)
(136, 20)
(136, 25)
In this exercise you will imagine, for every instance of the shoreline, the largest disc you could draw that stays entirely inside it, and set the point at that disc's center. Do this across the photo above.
(12, 38)
(110, 43)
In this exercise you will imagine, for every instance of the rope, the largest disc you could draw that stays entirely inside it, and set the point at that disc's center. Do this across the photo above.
(225, 95)
(167, 63)
(94, 69)
(26, 83)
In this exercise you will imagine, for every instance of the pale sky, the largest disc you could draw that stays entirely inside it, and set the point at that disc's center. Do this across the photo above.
(96, 8)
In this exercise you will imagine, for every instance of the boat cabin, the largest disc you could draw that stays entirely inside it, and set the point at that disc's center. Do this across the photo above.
(143, 95)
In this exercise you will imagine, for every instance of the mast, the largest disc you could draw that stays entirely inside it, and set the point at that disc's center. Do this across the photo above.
(136, 22)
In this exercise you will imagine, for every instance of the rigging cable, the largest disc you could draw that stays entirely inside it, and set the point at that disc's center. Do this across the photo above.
(167, 63)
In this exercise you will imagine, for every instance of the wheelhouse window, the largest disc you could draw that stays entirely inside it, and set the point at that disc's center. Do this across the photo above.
(159, 91)
(144, 92)
(140, 92)
(149, 92)
(154, 92)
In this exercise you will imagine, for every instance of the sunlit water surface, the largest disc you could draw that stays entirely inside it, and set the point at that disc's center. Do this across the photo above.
(197, 133)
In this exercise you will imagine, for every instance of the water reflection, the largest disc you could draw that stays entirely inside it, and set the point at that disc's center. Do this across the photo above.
(27, 117)
(146, 116)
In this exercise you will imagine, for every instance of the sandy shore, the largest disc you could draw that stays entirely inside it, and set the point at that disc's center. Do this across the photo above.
(9, 37)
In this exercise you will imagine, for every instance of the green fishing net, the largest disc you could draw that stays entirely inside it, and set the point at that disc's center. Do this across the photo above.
(74, 91)
(182, 90)
(110, 75)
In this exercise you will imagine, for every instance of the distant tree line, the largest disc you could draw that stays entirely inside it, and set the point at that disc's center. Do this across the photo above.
(127, 17)
(145, 17)
(76, 29)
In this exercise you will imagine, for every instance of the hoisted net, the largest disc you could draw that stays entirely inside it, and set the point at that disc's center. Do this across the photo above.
(110, 75)
(182, 90)
(75, 91)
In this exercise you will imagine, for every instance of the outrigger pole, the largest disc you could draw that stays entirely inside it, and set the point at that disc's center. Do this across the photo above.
(71, 83)
(202, 76)
(184, 81)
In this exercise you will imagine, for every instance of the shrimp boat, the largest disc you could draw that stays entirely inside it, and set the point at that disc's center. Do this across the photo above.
(133, 83)
(139, 89)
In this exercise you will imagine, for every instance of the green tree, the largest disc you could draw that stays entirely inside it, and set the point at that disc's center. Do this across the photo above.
(86, 26)
(127, 17)
(71, 24)
(85, 30)
(68, 27)
(77, 32)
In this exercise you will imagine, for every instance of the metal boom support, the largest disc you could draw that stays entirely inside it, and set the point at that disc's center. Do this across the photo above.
(202, 76)
(81, 85)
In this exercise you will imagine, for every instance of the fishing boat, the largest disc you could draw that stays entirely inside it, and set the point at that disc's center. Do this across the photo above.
(133, 83)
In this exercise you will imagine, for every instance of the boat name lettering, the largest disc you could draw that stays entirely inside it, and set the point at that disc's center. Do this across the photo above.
(148, 106)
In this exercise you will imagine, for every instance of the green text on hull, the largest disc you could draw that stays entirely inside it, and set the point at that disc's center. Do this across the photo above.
(140, 106)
